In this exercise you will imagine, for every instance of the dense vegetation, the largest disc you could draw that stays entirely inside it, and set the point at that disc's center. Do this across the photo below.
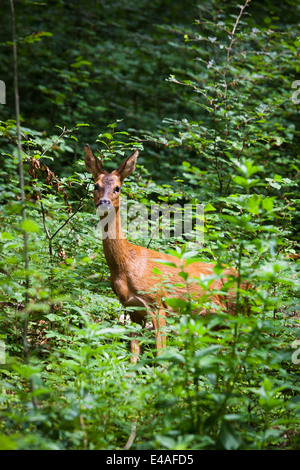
(206, 93)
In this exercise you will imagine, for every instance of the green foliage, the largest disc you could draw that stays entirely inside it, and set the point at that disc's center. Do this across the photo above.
(222, 131)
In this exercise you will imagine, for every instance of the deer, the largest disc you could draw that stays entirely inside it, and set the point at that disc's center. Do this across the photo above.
(133, 277)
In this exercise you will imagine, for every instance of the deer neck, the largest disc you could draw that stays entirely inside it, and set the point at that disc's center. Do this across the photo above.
(115, 245)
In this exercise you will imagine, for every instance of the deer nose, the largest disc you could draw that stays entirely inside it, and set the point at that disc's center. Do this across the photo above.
(105, 202)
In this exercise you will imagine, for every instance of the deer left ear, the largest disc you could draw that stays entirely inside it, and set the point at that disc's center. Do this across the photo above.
(93, 165)
(128, 166)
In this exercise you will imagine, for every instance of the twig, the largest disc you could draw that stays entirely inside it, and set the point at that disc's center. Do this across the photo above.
(69, 218)
(64, 132)
(242, 8)
(226, 84)
(132, 436)
(21, 172)
(46, 230)
(23, 201)
(50, 237)
(83, 427)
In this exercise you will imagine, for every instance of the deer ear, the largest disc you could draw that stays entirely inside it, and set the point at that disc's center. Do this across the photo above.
(93, 165)
(128, 166)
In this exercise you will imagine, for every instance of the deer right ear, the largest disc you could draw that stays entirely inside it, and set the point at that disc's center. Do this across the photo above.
(128, 166)
(93, 165)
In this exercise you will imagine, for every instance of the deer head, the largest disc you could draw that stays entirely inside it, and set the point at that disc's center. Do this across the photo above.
(107, 187)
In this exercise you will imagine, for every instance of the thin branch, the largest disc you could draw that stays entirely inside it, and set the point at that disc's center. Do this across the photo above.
(23, 201)
(211, 23)
(242, 8)
(64, 132)
(21, 172)
(69, 218)
(132, 436)
(50, 237)
(46, 230)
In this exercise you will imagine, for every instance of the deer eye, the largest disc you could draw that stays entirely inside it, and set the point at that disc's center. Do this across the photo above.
(96, 187)
(117, 189)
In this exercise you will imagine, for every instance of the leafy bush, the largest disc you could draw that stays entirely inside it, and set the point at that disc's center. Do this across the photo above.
(223, 382)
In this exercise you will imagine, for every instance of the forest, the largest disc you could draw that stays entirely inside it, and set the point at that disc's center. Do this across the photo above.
(208, 92)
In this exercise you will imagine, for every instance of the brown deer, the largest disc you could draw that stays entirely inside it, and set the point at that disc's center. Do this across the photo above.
(131, 266)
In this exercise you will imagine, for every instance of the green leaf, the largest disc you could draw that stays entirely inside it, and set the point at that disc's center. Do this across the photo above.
(184, 275)
(6, 443)
(229, 437)
(177, 303)
(30, 226)
(6, 236)
(268, 204)
(165, 263)
(156, 271)
(209, 207)
(106, 135)
(253, 204)
(245, 183)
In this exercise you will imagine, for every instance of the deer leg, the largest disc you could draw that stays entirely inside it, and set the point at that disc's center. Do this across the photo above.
(136, 316)
(158, 317)
(135, 348)
(159, 324)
